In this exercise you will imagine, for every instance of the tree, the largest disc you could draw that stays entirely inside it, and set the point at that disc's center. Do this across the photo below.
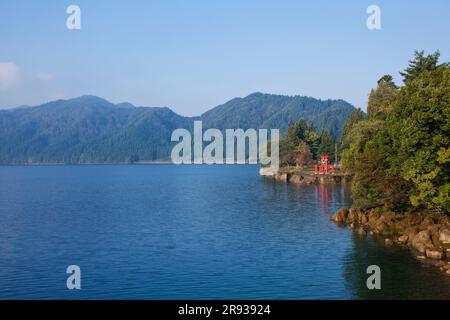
(400, 154)
(304, 155)
(421, 63)
(355, 117)
(381, 98)
(297, 133)
(326, 145)
(419, 128)
(388, 81)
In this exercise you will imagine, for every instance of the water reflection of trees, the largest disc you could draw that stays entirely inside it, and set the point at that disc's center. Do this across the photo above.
(402, 275)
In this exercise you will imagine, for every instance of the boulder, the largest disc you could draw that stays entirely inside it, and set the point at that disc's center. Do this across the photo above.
(422, 241)
(403, 239)
(373, 217)
(388, 242)
(361, 231)
(434, 254)
(444, 236)
(283, 177)
(297, 179)
(381, 227)
(360, 215)
(352, 215)
(340, 215)
(434, 233)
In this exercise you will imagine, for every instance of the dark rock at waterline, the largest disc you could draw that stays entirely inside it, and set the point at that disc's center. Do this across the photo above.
(340, 216)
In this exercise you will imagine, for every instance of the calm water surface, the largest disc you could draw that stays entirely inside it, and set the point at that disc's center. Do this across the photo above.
(188, 232)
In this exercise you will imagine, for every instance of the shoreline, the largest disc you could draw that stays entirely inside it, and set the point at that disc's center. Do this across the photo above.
(426, 233)
(304, 178)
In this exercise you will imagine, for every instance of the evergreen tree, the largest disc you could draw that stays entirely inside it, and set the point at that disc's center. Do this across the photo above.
(327, 145)
(421, 63)
(381, 98)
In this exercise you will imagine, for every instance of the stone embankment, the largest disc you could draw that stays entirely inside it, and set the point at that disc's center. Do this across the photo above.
(302, 178)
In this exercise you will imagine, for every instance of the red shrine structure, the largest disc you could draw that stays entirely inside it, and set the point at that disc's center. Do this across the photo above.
(324, 167)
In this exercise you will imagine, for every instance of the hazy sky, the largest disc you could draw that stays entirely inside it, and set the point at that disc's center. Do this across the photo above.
(192, 55)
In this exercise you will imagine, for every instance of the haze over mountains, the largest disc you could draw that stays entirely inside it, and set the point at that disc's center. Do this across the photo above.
(89, 129)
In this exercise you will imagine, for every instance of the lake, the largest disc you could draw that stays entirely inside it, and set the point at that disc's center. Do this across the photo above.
(189, 232)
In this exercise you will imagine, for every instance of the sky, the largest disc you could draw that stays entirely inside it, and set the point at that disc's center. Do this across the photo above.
(193, 55)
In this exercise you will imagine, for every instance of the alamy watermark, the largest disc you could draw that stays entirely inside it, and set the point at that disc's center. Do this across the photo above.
(236, 151)
(73, 21)
(74, 280)
(374, 280)
(373, 21)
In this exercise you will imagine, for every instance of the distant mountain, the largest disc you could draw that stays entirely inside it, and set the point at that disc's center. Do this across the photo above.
(260, 110)
(89, 129)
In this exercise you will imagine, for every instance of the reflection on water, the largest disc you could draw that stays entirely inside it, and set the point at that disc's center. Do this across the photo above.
(188, 232)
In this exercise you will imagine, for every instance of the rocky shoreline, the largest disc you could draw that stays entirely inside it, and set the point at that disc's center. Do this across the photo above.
(303, 178)
(426, 233)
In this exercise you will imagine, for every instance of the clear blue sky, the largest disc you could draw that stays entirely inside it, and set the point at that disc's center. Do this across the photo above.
(193, 55)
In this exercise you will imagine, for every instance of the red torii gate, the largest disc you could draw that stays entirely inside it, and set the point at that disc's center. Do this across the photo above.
(324, 167)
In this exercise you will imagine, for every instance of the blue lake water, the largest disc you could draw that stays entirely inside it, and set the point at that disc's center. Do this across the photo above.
(189, 232)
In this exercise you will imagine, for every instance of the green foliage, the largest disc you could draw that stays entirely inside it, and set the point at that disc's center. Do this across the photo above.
(327, 145)
(421, 120)
(381, 98)
(388, 81)
(347, 137)
(421, 63)
(269, 111)
(400, 155)
(301, 145)
(304, 155)
(291, 144)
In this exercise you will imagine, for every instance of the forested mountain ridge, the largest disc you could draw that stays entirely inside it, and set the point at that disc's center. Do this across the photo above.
(260, 110)
(89, 129)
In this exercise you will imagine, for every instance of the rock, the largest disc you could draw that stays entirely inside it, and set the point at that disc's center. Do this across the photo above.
(448, 271)
(297, 179)
(283, 177)
(426, 222)
(434, 233)
(361, 216)
(340, 215)
(373, 216)
(388, 242)
(444, 236)
(352, 215)
(434, 254)
(267, 172)
(411, 233)
(422, 241)
(403, 239)
(352, 225)
(382, 227)
(361, 231)
(421, 257)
